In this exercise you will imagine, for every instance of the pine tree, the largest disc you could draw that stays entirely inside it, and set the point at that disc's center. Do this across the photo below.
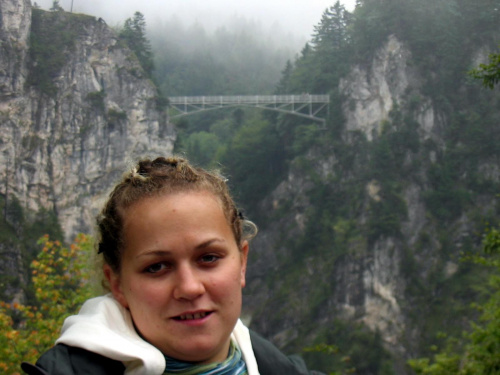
(332, 31)
(55, 6)
(331, 42)
(134, 34)
(489, 73)
(283, 86)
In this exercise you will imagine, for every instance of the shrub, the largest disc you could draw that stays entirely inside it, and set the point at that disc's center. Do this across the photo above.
(60, 279)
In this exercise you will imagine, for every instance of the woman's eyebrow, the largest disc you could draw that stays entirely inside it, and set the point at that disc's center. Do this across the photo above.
(154, 253)
(206, 244)
(203, 245)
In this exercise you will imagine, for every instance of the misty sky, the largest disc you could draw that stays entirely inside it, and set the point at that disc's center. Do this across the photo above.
(296, 17)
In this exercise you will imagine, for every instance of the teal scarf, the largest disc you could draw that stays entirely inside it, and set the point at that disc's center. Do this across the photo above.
(233, 365)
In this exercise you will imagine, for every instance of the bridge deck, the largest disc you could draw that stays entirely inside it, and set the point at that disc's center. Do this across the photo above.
(314, 107)
(249, 99)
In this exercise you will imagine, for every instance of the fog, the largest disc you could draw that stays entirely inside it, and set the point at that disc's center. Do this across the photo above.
(296, 17)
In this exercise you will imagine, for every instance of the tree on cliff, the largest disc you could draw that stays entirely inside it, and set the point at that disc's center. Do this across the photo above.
(55, 6)
(488, 73)
(134, 35)
(332, 31)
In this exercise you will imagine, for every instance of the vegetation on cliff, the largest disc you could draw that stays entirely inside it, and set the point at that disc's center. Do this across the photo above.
(477, 351)
(489, 73)
(133, 34)
(20, 229)
(53, 35)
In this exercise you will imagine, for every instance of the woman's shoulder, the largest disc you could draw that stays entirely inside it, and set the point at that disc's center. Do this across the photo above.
(67, 360)
(271, 360)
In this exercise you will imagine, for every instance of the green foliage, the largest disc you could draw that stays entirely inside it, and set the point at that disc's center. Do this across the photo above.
(325, 60)
(491, 246)
(305, 136)
(20, 229)
(283, 85)
(115, 117)
(471, 141)
(332, 43)
(44, 221)
(445, 200)
(225, 129)
(202, 147)
(385, 216)
(161, 102)
(55, 6)
(134, 35)
(478, 351)
(60, 278)
(489, 73)
(353, 349)
(249, 149)
(96, 99)
(255, 161)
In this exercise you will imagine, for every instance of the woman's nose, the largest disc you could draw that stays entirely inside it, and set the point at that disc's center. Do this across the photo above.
(188, 284)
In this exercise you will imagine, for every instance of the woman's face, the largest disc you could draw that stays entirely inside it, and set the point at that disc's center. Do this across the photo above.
(181, 275)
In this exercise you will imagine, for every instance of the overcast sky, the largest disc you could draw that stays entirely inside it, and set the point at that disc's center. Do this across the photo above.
(297, 17)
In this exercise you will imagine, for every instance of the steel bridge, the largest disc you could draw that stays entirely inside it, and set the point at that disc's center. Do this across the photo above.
(313, 107)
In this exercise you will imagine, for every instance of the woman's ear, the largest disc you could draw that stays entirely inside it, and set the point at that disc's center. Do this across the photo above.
(115, 285)
(244, 259)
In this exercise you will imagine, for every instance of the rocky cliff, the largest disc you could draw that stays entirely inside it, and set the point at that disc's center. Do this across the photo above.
(64, 151)
(365, 284)
(73, 118)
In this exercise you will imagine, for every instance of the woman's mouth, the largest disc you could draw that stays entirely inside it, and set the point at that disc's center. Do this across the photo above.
(193, 316)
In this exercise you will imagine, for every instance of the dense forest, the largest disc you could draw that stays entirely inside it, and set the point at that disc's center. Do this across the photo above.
(353, 186)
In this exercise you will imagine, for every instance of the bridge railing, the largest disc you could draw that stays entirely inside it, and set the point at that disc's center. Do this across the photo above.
(250, 99)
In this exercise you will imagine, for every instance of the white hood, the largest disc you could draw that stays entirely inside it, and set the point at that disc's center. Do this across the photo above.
(104, 327)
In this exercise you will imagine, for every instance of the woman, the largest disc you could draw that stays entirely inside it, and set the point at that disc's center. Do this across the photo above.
(175, 252)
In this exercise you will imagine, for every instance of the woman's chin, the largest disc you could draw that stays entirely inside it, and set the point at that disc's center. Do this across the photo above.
(200, 352)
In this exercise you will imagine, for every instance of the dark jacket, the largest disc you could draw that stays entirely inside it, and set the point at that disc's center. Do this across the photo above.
(67, 360)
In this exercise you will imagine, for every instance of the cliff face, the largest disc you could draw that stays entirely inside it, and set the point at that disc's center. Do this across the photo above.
(376, 89)
(62, 149)
(15, 21)
(366, 284)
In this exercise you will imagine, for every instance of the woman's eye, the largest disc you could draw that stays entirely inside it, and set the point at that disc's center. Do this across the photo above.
(157, 267)
(209, 258)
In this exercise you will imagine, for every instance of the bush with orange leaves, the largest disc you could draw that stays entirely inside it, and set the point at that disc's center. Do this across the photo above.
(60, 278)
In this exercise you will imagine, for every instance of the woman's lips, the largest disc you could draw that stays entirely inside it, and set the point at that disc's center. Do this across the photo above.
(192, 316)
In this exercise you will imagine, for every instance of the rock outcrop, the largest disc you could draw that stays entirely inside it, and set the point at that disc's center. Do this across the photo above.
(63, 151)
(15, 21)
